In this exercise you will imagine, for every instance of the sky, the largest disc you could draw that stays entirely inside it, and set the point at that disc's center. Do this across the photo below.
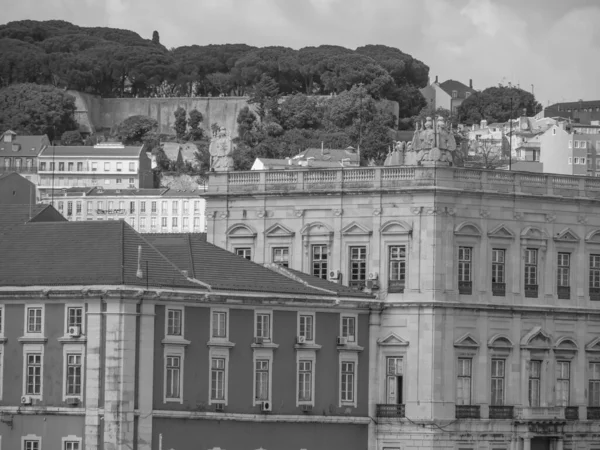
(549, 46)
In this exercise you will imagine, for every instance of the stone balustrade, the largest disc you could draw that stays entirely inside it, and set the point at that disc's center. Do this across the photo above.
(402, 178)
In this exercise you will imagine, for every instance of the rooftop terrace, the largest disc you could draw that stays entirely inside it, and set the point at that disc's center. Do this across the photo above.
(401, 178)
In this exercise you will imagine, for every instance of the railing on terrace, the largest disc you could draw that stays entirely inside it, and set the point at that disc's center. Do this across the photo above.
(539, 412)
(390, 410)
(403, 177)
(468, 412)
(501, 412)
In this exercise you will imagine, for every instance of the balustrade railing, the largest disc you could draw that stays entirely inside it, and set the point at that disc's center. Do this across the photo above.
(501, 412)
(390, 410)
(539, 412)
(468, 412)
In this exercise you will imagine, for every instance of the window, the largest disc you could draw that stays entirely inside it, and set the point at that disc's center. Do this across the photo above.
(106, 167)
(153, 222)
(107, 181)
(70, 167)
(74, 317)
(94, 166)
(570, 160)
(463, 382)
(217, 379)
(173, 377)
(563, 382)
(263, 326)
(52, 165)
(69, 208)
(131, 207)
(79, 167)
(34, 320)
(305, 377)
(454, 94)
(174, 222)
(186, 207)
(319, 261)
(358, 267)
(174, 322)
(576, 144)
(32, 444)
(261, 375)
(131, 182)
(142, 223)
(175, 207)
(196, 222)
(219, 324)
(498, 269)
(163, 206)
(531, 267)
(594, 384)
(163, 222)
(122, 205)
(61, 166)
(534, 382)
(78, 207)
(244, 253)
(464, 270)
(497, 397)
(143, 207)
(119, 167)
(347, 381)
(583, 144)
(100, 205)
(33, 385)
(594, 277)
(306, 327)
(73, 381)
(153, 207)
(196, 206)
(394, 374)
(281, 256)
(61, 206)
(563, 273)
(186, 223)
(110, 205)
(576, 160)
(582, 160)
(71, 445)
(43, 166)
(397, 268)
(132, 167)
(349, 328)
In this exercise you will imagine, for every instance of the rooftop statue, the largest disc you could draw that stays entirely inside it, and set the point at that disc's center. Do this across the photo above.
(221, 151)
(432, 144)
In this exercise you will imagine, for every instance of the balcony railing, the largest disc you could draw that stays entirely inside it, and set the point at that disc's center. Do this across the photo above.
(468, 412)
(501, 412)
(465, 287)
(531, 291)
(572, 413)
(564, 292)
(539, 412)
(498, 289)
(595, 294)
(390, 410)
(593, 413)
(396, 286)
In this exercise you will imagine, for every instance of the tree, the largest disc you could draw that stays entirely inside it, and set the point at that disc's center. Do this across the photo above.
(155, 37)
(71, 138)
(494, 105)
(222, 82)
(488, 153)
(300, 111)
(36, 109)
(194, 121)
(180, 123)
(265, 95)
(134, 129)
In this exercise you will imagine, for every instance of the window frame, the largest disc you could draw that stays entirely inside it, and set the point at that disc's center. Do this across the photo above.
(218, 353)
(563, 272)
(303, 359)
(30, 437)
(73, 349)
(181, 311)
(561, 401)
(354, 317)
(214, 311)
(243, 252)
(281, 262)
(269, 314)
(27, 350)
(348, 357)
(527, 263)
(498, 377)
(262, 355)
(43, 317)
(397, 285)
(459, 377)
(530, 378)
(358, 280)
(173, 352)
(593, 382)
(70, 306)
(73, 440)
(314, 328)
(323, 264)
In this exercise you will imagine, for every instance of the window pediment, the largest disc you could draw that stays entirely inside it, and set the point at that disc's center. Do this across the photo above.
(500, 341)
(534, 233)
(593, 346)
(466, 341)
(567, 235)
(241, 230)
(501, 232)
(467, 229)
(393, 339)
(593, 237)
(278, 230)
(395, 227)
(566, 343)
(356, 229)
(316, 229)
(536, 338)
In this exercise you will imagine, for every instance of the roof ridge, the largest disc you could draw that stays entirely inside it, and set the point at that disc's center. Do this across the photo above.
(281, 270)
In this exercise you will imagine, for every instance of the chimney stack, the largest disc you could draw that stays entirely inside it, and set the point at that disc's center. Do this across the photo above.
(436, 79)
(471, 83)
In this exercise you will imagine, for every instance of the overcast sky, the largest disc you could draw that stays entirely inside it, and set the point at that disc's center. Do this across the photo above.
(551, 44)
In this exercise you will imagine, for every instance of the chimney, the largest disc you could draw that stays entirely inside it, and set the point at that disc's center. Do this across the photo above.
(139, 273)
(436, 79)
(471, 83)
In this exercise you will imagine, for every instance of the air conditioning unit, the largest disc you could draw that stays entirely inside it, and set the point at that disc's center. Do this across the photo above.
(341, 340)
(307, 408)
(265, 406)
(373, 276)
(372, 284)
(301, 340)
(259, 340)
(74, 331)
(334, 275)
(26, 400)
(74, 401)
(219, 407)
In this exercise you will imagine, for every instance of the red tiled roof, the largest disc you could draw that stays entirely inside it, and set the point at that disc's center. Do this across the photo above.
(83, 253)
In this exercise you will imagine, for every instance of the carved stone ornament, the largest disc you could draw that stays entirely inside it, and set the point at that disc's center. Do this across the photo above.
(377, 211)
(338, 212)
(298, 212)
(261, 213)
(550, 217)
(224, 214)
(518, 215)
(582, 219)
(416, 210)
(211, 214)
(450, 211)
(484, 213)
(432, 211)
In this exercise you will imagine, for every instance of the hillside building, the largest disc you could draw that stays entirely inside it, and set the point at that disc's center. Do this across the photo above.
(19, 153)
(448, 95)
(168, 342)
(490, 283)
(16, 189)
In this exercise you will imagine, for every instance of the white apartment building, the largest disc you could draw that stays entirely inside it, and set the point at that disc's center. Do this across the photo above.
(107, 165)
(161, 210)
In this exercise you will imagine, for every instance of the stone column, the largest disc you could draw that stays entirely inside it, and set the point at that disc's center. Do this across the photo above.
(119, 390)
(145, 375)
(93, 376)
(526, 443)
(374, 332)
(559, 444)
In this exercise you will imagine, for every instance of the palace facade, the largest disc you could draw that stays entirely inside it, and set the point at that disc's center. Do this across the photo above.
(490, 282)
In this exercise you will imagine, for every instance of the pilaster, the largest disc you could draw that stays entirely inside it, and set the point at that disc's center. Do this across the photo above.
(93, 374)
(145, 375)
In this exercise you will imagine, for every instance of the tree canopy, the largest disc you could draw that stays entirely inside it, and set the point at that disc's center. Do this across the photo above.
(35, 109)
(494, 105)
(120, 63)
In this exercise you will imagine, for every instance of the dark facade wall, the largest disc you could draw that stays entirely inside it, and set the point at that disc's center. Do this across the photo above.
(208, 434)
(50, 428)
(16, 190)
(12, 388)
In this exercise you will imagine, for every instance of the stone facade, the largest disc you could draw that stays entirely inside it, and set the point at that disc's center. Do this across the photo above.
(488, 337)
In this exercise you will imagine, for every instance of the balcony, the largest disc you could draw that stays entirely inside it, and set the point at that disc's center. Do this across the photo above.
(390, 410)
(593, 413)
(468, 412)
(498, 289)
(539, 412)
(465, 287)
(501, 412)
(531, 291)
(594, 294)
(564, 292)
(572, 413)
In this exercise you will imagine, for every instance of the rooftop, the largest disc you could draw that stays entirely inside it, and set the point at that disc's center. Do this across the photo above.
(452, 85)
(101, 192)
(13, 215)
(329, 154)
(26, 145)
(98, 151)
